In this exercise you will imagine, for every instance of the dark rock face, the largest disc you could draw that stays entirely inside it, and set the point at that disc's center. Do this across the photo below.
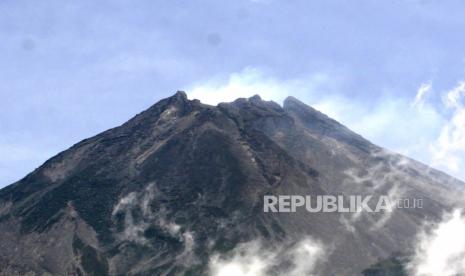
(392, 266)
(182, 181)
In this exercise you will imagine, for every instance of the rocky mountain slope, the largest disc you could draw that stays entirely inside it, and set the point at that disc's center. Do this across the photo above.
(178, 190)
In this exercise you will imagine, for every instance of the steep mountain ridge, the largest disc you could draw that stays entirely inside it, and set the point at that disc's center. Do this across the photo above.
(183, 181)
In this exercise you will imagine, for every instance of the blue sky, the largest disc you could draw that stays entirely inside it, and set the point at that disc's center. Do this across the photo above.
(391, 70)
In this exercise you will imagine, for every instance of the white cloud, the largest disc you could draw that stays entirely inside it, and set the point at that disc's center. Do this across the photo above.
(247, 260)
(134, 229)
(454, 96)
(422, 92)
(441, 251)
(448, 150)
(251, 81)
(253, 259)
(306, 256)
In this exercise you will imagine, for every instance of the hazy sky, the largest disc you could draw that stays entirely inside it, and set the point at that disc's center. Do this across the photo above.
(391, 70)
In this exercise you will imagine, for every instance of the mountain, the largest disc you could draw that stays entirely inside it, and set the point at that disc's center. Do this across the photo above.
(179, 190)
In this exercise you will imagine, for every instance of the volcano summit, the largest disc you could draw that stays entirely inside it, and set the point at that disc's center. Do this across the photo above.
(179, 189)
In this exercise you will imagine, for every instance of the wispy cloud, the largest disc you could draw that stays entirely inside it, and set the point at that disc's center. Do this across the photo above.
(441, 250)
(134, 229)
(455, 96)
(422, 93)
(448, 151)
(254, 259)
(254, 80)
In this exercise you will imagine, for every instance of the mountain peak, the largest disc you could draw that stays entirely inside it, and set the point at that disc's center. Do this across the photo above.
(183, 182)
(295, 106)
(179, 96)
(255, 97)
(290, 99)
(292, 103)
